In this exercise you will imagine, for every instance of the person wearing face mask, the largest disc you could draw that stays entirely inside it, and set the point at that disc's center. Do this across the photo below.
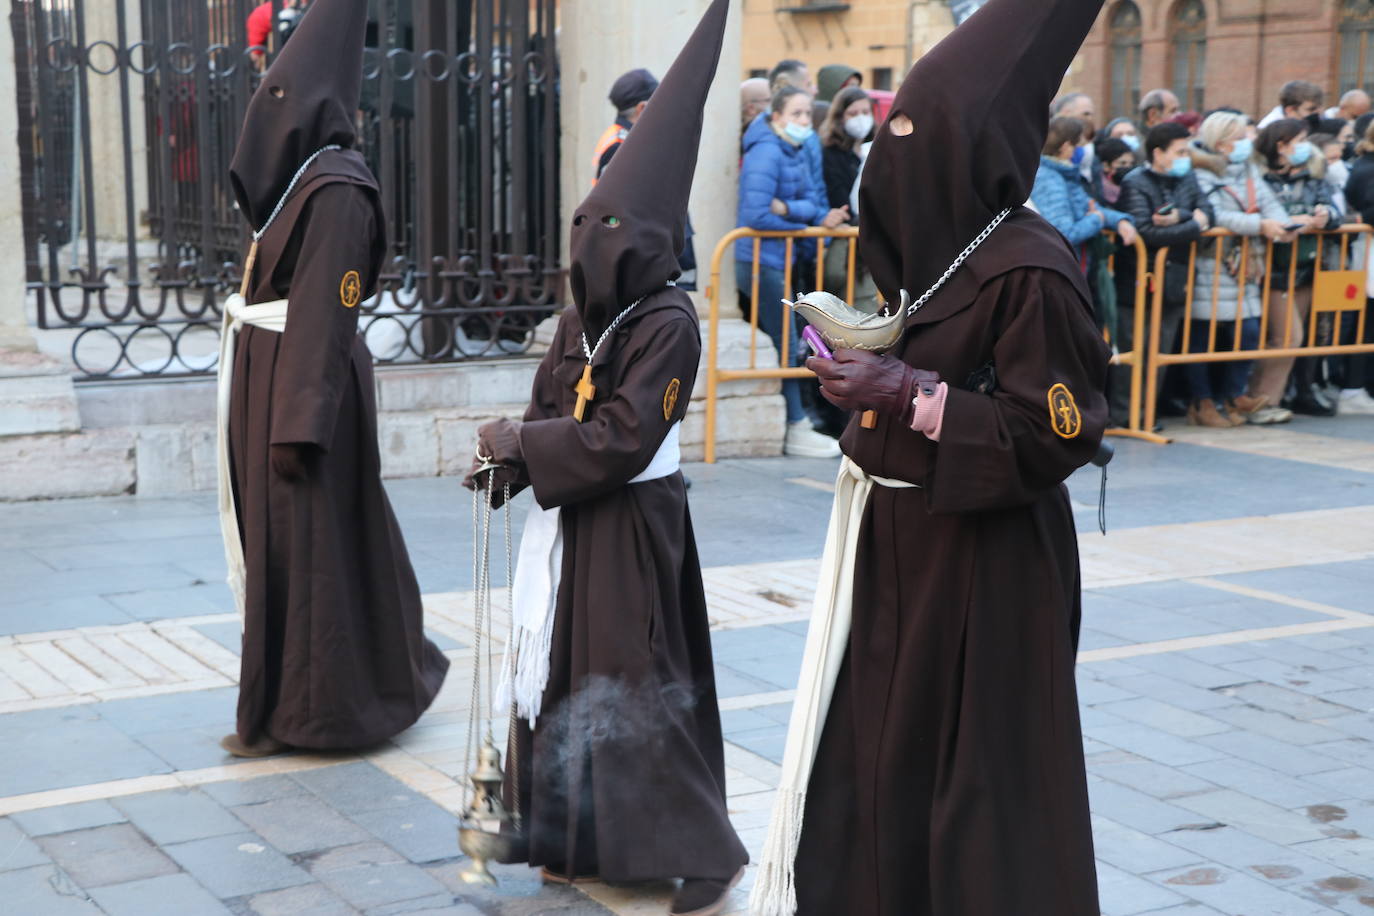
(1169, 212)
(845, 134)
(1059, 194)
(776, 192)
(1243, 203)
(1124, 129)
(1297, 176)
(1118, 160)
(622, 771)
(1357, 376)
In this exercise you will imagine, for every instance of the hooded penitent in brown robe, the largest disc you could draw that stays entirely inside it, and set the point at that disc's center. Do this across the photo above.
(334, 652)
(949, 778)
(623, 774)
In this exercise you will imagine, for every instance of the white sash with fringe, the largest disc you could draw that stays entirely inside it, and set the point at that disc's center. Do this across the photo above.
(534, 594)
(270, 316)
(827, 640)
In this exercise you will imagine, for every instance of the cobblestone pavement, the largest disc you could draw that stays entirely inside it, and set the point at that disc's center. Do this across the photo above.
(1225, 681)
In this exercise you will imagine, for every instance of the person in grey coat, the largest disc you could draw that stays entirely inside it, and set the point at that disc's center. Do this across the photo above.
(1242, 202)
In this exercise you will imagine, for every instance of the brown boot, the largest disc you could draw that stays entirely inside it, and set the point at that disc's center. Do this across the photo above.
(265, 746)
(1205, 413)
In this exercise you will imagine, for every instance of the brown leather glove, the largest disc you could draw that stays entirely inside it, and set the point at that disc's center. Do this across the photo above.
(498, 442)
(860, 380)
(293, 461)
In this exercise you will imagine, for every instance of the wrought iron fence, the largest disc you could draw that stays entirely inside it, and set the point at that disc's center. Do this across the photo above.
(129, 112)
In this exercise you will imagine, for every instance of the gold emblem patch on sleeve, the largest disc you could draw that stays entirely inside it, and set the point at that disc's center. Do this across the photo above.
(351, 289)
(1064, 415)
(670, 398)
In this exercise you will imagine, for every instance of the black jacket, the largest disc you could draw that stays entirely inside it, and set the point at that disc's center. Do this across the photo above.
(1143, 193)
(1359, 188)
(841, 168)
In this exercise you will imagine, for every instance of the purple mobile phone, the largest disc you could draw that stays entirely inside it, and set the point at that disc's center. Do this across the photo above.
(813, 337)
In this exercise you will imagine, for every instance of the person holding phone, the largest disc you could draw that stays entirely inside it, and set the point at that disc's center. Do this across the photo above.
(1170, 212)
(1296, 174)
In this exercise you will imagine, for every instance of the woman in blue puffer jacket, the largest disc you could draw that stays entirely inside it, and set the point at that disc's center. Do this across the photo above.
(1059, 193)
(778, 192)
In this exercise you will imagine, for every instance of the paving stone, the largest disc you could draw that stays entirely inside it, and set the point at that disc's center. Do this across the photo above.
(169, 895)
(1351, 856)
(71, 746)
(355, 856)
(1159, 715)
(1134, 851)
(369, 886)
(177, 815)
(1252, 815)
(1136, 809)
(1261, 782)
(63, 818)
(16, 850)
(1284, 757)
(1355, 750)
(173, 711)
(519, 892)
(164, 603)
(300, 824)
(1236, 892)
(1157, 780)
(1275, 863)
(191, 748)
(1341, 782)
(350, 788)
(98, 856)
(236, 865)
(769, 743)
(1153, 744)
(1358, 725)
(422, 832)
(441, 901)
(303, 900)
(44, 891)
(1096, 693)
(1124, 894)
(1191, 671)
(1278, 726)
(733, 721)
(253, 791)
(1284, 674)
(41, 614)
(733, 683)
(1360, 699)
(1175, 692)
(744, 643)
(1292, 703)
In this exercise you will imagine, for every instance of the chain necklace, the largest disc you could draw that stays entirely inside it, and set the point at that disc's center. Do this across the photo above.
(586, 391)
(252, 258)
(963, 256)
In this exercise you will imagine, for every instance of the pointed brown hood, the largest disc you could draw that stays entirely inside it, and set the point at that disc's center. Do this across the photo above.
(627, 233)
(307, 100)
(977, 104)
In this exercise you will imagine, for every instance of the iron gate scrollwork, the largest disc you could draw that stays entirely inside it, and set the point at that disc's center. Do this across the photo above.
(129, 113)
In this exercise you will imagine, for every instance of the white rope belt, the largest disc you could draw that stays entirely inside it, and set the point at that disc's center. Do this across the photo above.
(827, 640)
(534, 594)
(270, 316)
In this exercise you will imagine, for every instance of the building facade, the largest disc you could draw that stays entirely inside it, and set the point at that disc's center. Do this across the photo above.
(1215, 53)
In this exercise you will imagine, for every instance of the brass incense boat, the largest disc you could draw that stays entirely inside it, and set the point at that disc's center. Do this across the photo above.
(843, 326)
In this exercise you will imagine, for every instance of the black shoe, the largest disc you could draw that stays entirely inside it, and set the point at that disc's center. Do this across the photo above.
(1313, 402)
(703, 896)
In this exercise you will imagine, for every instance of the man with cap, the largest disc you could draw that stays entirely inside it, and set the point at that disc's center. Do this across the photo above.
(334, 653)
(620, 754)
(629, 94)
(934, 762)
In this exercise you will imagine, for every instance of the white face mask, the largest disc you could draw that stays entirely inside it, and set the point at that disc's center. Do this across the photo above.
(859, 126)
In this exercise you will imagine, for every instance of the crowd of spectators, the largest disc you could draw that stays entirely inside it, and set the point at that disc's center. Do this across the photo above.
(1162, 178)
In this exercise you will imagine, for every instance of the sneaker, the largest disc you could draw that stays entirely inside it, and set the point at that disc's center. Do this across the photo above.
(802, 441)
(1269, 416)
(1355, 400)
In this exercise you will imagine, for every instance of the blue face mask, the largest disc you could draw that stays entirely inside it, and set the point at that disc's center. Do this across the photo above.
(1078, 153)
(1245, 148)
(1181, 167)
(798, 132)
(1132, 141)
(1301, 153)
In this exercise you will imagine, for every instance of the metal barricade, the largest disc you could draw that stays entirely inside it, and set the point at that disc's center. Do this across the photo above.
(1337, 291)
(1132, 357)
(716, 375)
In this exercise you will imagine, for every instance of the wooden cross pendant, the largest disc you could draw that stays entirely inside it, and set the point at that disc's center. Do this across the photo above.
(586, 391)
(869, 420)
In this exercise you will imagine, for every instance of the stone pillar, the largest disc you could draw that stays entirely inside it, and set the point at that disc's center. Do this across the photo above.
(107, 124)
(601, 39)
(14, 325)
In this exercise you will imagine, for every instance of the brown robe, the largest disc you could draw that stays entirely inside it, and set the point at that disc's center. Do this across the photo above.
(334, 651)
(624, 775)
(950, 777)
